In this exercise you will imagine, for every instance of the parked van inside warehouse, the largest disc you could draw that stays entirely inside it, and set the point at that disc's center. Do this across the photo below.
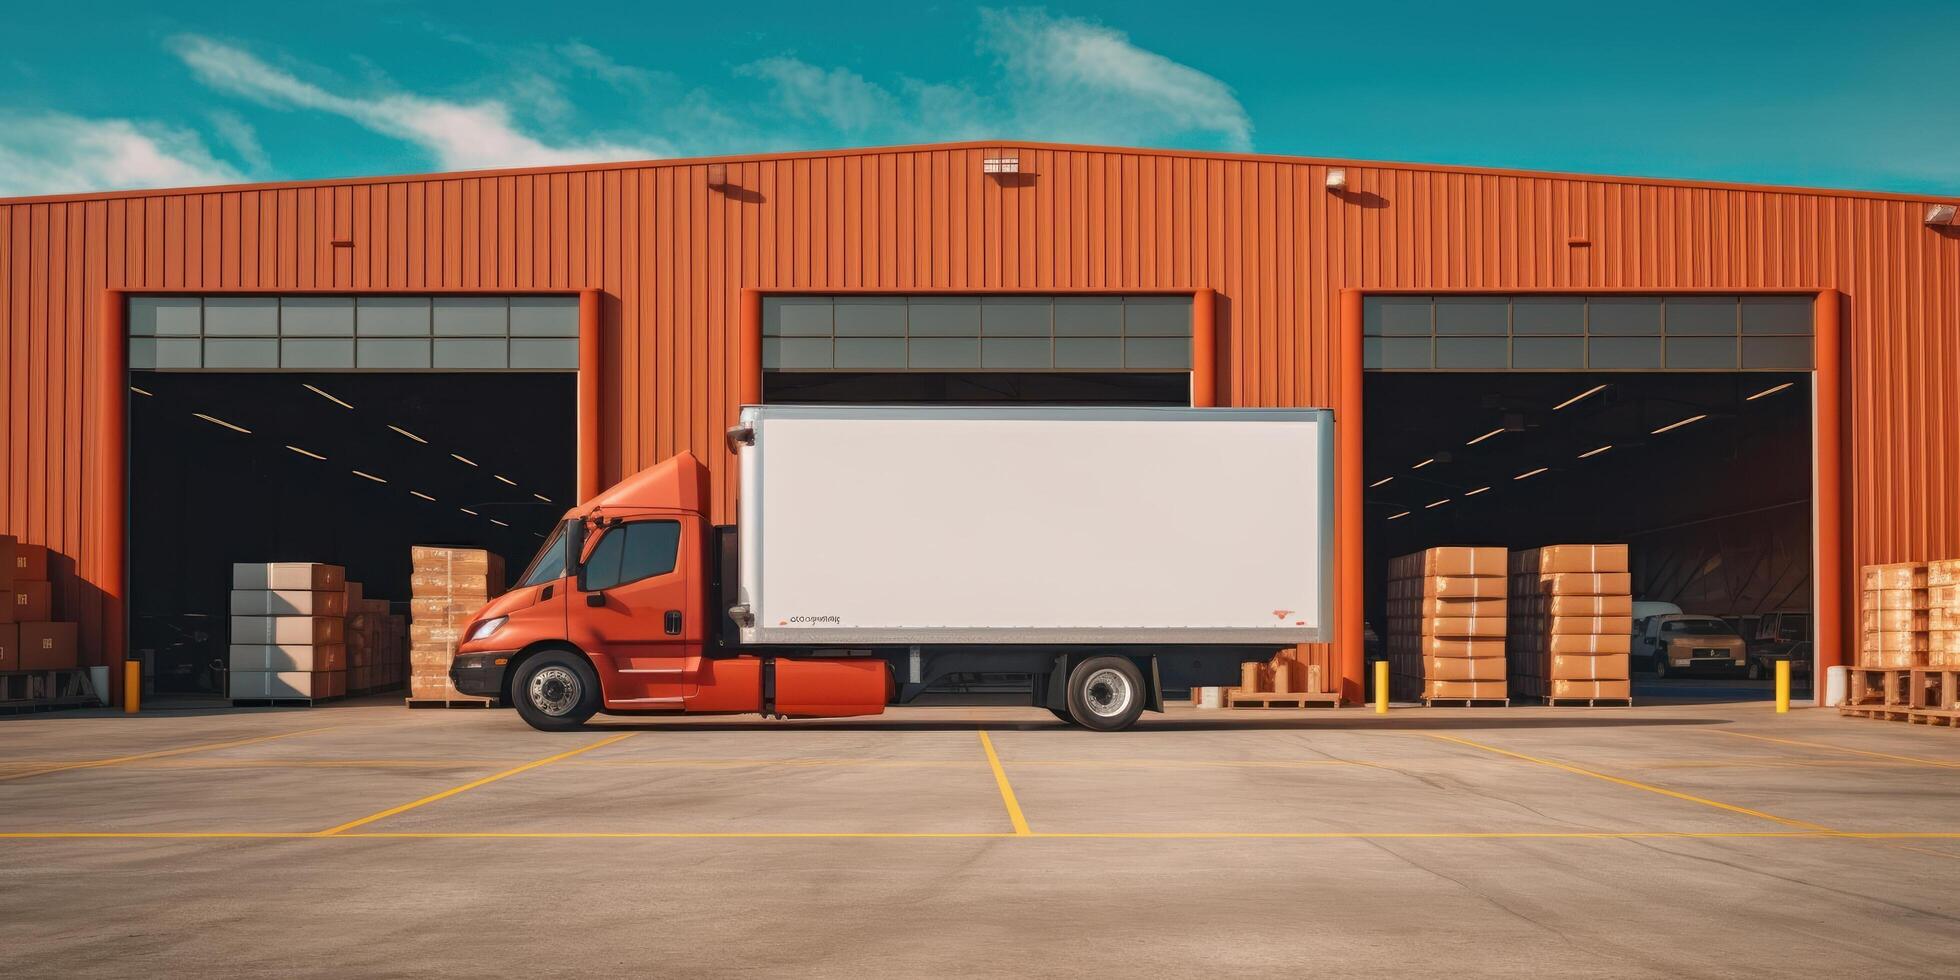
(1736, 382)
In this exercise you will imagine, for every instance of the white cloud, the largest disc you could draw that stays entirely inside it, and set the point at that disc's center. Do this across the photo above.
(603, 67)
(838, 96)
(242, 138)
(55, 153)
(457, 135)
(1083, 81)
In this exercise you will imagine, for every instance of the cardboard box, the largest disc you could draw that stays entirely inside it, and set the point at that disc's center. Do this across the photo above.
(1465, 690)
(1588, 605)
(301, 630)
(48, 646)
(1909, 640)
(31, 602)
(1943, 595)
(1587, 667)
(287, 602)
(1447, 606)
(1462, 628)
(444, 607)
(1898, 575)
(1896, 599)
(9, 647)
(7, 545)
(251, 684)
(1436, 646)
(1943, 573)
(296, 575)
(1452, 561)
(1464, 668)
(1589, 689)
(1586, 583)
(1943, 640)
(1582, 558)
(288, 657)
(1589, 643)
(1894, 619)
(30, 563)
(1892, 659)
(355, 595)
(1461, 586)
(1603, 625)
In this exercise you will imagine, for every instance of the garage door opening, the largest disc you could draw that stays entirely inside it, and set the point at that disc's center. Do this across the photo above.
(350, 469)
(1705, 475)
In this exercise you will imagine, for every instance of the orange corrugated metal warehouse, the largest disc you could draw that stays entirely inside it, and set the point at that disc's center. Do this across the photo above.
(702, 284)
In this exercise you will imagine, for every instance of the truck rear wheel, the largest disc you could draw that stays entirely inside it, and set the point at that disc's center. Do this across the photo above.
(555, 691)
(1105, 694)
(1063, 714)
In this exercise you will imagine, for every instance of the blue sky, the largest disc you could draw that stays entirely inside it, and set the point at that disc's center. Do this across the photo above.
(135, 94)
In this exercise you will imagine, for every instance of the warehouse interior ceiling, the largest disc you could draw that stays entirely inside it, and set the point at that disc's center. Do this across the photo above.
(349, 469)
(977, 388)
(1705, 475)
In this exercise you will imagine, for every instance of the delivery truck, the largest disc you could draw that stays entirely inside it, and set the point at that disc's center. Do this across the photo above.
(1106, 554)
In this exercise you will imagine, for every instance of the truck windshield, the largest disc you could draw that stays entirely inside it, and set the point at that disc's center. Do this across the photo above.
(1698, 627)
(549, 565)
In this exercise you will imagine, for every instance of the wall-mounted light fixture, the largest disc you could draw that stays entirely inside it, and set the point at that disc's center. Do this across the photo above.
(1940, 214)
(1337, 179)
(1001, 162)
(717, 175)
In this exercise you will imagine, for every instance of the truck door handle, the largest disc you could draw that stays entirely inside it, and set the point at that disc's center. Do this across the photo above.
(595, 599)
(673, 622)
(546, 594)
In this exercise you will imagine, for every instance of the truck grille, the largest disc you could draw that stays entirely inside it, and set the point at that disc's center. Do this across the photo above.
(1711, 652)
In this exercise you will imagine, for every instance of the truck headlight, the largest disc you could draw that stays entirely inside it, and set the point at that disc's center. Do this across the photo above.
(486, 629)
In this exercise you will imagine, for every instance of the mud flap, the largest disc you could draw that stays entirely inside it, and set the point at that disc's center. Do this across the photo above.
(1156, 688)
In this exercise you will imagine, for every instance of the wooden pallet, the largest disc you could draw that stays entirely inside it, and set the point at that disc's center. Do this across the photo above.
(1880, 712)
(1889, 687)
(1934, 718)
(1934, 688)
(446, 703)
(1588, 702)
(1259, 699)
(1466, 702)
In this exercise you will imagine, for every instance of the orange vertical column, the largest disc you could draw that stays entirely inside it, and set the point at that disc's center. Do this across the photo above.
(1347, 502)
(749, 385)
(590, 308)
(1829, 552)
(110, 510)
(1204, 349)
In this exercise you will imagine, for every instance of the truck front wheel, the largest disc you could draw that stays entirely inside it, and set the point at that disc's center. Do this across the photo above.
(555, 691)
(1105, 694)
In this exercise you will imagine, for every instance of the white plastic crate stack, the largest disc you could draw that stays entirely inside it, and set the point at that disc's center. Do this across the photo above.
(288, 631)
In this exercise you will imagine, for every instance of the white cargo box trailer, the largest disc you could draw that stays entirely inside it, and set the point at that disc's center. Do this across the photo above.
(994, 526)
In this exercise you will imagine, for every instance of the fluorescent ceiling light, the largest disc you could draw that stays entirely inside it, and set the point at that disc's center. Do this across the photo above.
(409, 434)
(1424, 463)
(1436, 503)
(1393, 517)
(1675, 425)
(542, 497)
(498, 522)
(462, 459)
(303, 452)
(1588, 393)
(504, 478)
(369, 476)
(1379, 482)
(470, 512)
(1595, 452)
(214, 420)
(1472, 493)
(1531, 473)
(1485, 436)
(1766, 392)
(424, 496)
(146, 394)
(324, 395)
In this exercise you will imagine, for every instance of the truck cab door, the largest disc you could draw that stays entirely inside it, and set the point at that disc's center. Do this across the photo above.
(638, 610)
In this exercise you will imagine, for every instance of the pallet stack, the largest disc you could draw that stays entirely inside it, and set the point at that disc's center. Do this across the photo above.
(31, 637)
(1894, 617)
(376, 638)
(1572, 623)
(1943, 613)
(288, 633)
(1446, 619)
(447, 587)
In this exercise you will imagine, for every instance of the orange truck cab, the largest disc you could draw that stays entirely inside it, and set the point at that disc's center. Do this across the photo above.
(615, 615)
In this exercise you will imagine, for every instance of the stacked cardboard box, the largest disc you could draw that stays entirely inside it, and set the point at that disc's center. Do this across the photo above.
(446, 588)
(31, 638)
(1446, 624)
(288, 631)
(1894, 616)
(1571, 622)
(1943, 613)
(375, 643)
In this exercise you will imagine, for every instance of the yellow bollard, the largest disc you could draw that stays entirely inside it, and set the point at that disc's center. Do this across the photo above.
(1381, 687)
(1782, 687)
(132, 686)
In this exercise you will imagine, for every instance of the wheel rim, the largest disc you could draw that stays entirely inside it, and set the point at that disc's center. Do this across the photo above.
(1107, 693)
(555, 691)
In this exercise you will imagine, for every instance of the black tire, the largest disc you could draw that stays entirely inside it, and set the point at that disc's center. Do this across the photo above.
(1105, 694)
(556, 691)
(1660, 667)
(1063, 714)
(1754, 671)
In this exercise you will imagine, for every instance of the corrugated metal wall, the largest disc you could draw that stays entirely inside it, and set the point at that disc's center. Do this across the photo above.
(671, 254)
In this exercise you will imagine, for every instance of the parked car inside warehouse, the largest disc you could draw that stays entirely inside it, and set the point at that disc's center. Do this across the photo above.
(1688, 643)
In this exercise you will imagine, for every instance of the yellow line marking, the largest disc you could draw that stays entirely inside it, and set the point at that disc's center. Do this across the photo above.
(752, 763)
(981, 835)
(1717, 804)
(1915, 760)
(119, 760)
(472, 784)
(1006, 790)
